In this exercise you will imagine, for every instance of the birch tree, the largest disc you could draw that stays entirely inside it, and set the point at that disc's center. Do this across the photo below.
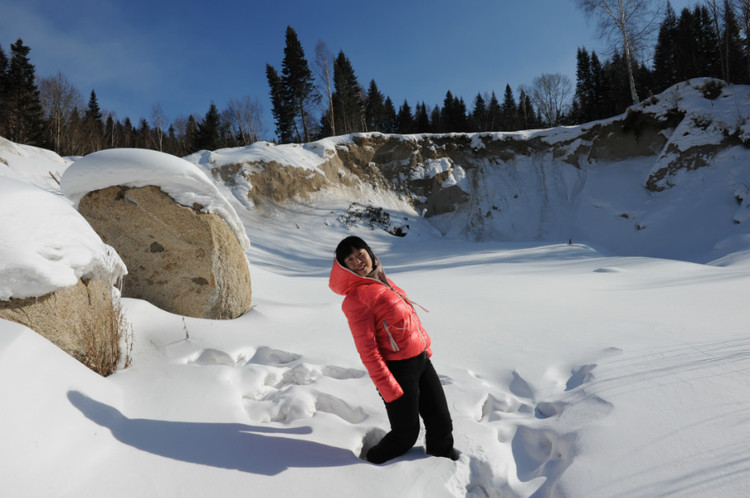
(627, 23)
(59, 98)
(158, 120)
(744, 15)
(245, 118)
(324, 68)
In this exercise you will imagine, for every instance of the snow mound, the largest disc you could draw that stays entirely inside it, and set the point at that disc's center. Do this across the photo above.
(178, 178)
(46, 245)
(308, 156)
(30, 164)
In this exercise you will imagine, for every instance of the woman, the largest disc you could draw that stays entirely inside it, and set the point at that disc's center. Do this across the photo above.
(395, 349)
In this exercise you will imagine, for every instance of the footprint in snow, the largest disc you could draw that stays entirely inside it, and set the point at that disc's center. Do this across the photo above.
(341, 373)
(540, 435)
(370, 439)
(282, 388)
(579, 376)
(542, 453)
(209, 357)
(494, 407)
(520, 387)
(337, 406)
(269, 356)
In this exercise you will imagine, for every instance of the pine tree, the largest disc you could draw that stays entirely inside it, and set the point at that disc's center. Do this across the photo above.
(589, 103)
(421, 119)
(143, 135)
(526, 114)
(685, 42)
(405, 119)
(208, 131)
(462, 121)
(298, 82)
(374, 108)
(93, 111)
(494, 114)
(93, 125)
(696, 43)
(732, 48)
(453, 115)
(348, 97)
(447, 113)
(665, 63)
(282, 111)
(597, 88)
(390, 119)
(23, 109)
(582, 98)
(191, 132)
(508, 111)
(708, 57)
(479, 114)
(436, 125)
(128, 134)
(171, 145)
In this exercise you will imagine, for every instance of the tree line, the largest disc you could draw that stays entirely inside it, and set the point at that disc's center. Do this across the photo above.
(710, 40)
(706, 41)
(52, 114)
(311, 101)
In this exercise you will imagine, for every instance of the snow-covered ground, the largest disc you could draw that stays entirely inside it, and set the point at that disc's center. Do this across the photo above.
(569, 372)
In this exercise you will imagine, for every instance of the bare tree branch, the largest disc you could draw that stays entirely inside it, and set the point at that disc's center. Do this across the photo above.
(550, 94)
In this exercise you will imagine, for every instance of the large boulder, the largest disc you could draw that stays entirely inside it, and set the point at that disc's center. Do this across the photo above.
(82, 320)
(181, 240)
(57, 276)
(180, 259)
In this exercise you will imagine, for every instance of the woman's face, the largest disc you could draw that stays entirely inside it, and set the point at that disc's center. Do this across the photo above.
(360, 262)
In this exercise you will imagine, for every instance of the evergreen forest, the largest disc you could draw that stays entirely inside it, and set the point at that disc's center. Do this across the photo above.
(322, 96)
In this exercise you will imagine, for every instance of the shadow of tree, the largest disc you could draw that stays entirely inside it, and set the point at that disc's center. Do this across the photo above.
(223, 445)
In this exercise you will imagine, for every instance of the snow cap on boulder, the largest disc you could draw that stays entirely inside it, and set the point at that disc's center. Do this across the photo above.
(179, 179)
(46, 245)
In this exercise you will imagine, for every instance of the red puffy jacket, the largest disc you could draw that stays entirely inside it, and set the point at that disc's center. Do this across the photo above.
(383, 322)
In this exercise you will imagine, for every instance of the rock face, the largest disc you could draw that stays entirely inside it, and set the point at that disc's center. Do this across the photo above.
(178, 258)
(529, 185)
(82, 320)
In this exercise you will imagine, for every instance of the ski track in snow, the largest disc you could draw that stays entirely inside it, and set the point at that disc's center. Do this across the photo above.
(534, 437)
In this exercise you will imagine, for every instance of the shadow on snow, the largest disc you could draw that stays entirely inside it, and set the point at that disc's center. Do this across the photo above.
(224, 445)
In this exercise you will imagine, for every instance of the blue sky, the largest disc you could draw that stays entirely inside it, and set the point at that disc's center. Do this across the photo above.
(185, 55)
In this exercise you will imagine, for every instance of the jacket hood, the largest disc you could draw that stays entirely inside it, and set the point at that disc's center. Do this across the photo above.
(343, 280)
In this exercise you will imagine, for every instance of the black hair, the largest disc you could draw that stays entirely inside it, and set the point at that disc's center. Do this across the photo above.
(350, 244)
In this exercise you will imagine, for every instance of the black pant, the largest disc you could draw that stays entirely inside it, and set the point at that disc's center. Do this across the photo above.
(423, 396)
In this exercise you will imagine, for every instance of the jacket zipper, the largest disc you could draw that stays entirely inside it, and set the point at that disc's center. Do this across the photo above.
(394, 346)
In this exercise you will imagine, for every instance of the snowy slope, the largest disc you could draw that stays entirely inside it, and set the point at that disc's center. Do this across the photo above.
(570, 370)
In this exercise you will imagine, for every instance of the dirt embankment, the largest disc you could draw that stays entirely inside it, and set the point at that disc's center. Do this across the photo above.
(394, 161)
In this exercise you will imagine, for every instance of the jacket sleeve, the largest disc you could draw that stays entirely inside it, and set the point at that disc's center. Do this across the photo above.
(362, 325)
